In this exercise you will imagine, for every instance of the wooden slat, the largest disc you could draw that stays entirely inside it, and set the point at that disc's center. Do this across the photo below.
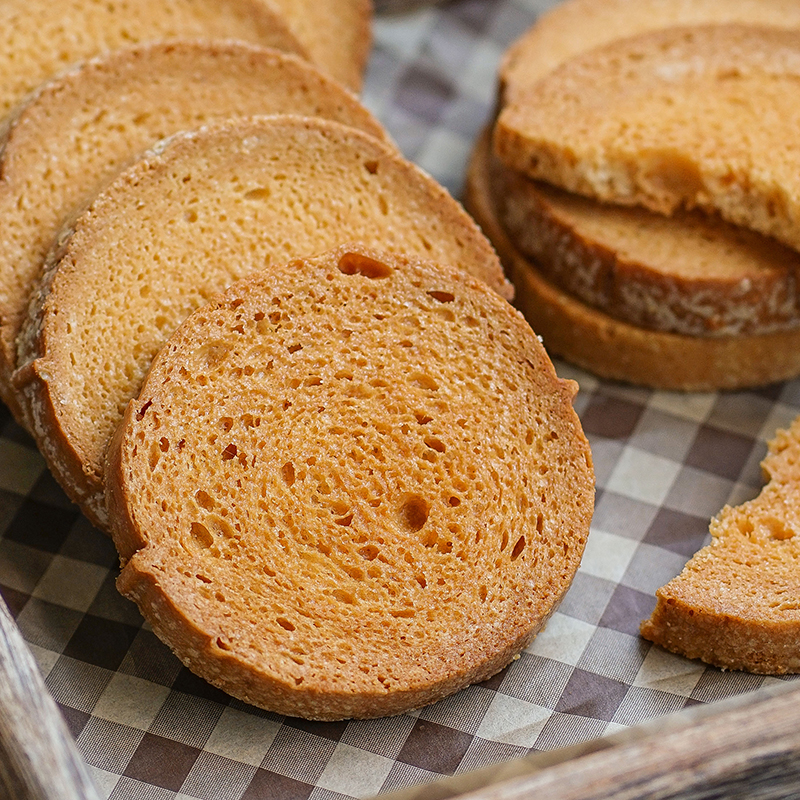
(745, 747)
(38, 759)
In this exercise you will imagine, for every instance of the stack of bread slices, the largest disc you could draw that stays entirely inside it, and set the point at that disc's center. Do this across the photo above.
(274, 359)
(640, 182)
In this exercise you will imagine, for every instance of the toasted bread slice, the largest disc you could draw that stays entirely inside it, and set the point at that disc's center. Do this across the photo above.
(736, 604)
(696, 117)
(690, 273)
(203, 210)
(574, 26)
(80, 129)
(337, 34)
(39, 38)
(350, 486)
(611, 348)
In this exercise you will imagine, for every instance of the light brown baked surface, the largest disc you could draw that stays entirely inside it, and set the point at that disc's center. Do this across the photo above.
(614, 349)
(337, 34)
(40, 38)
(202, 211)
(80, 129)
(689, 273)
(696, 117)
(736, 604)
(350, 486)
(575, 26)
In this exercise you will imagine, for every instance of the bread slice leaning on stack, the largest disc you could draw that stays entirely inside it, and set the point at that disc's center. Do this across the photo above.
(202, 210)
(612, 348)
(350, 485)
(687, 117)
(40, 38)
(736, 604)
(78, 130)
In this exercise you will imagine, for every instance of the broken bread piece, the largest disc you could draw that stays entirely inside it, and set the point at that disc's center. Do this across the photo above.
(687, 117)
(736, 604)
(202, 210)
(350, 486)
(80, 129)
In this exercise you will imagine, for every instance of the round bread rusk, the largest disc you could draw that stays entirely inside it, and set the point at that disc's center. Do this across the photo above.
(689, 273)
(350, 486)
(694, 117)
(202, 210)
(575, 26)
(618, 350)
(78, 130)
(337, 34)
(41, 38)
(735, 604)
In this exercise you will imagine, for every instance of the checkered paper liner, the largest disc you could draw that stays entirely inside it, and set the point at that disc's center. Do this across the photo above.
(665, 463)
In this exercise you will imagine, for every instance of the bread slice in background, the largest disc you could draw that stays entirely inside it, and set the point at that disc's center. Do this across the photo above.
(350, 486)
(77, 131)
(40, 38)
(337, 34)
(736, 604)
(574, 26)
(201, 211)
(614, 349)
(689, 273)
(694, 117)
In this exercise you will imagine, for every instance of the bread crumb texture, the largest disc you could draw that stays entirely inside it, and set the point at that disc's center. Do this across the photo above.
(39, 38)
(736, 604)
(693, 117)
(350, 486)
(79, 130)
(203, 210)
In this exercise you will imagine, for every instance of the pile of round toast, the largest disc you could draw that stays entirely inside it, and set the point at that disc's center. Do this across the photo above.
(274, 359)
(640, 182)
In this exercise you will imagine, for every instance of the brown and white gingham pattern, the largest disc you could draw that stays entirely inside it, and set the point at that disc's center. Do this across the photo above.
(665, 463)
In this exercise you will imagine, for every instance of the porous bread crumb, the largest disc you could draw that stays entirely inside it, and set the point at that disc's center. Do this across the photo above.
(40, 38)
(350, 486)
(736, 604)
(205, 209)
(688, 117)
(573, 27)
(68, 140)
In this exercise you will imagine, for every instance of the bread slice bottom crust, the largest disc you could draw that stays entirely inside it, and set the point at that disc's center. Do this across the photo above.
(614, 349)
(350, 486)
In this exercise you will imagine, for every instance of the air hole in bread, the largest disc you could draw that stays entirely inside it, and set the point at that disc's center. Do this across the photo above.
(357, 264)
(201, 535)
(368, 552)
(288, 473)
(204, 500)
(344, 596)
(344, 521)
(229, 452)
(222, 644)
(423, 381)
(414, 513)
(518, 548)
(371, 167)
(261, 193)
(442, 297)
(285, 624)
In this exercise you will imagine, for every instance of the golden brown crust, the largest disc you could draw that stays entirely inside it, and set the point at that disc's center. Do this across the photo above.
(689, 273)
(736, 604)
(65, 142)
(39, 39)
(205, 209)
(575, 26)
(692, 117)
(614, 349)
(350, 486)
